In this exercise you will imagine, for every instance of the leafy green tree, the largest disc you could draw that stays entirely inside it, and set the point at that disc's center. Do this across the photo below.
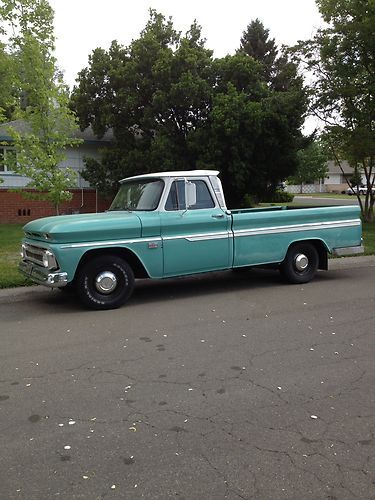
(7, 97)
(173, 107)
(258, 110)
(153, 93)
(356, 178)
(312, 164)
(341, 59)
(42, 100)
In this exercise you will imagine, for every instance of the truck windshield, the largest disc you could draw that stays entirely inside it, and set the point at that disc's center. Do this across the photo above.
(138, 195)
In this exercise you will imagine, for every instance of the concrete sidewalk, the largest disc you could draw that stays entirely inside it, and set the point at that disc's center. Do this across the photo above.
(23, 292)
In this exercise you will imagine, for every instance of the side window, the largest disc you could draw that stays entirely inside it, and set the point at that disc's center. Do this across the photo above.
(176, 197)
(204, 198)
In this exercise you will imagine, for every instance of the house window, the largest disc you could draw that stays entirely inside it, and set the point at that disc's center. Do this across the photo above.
(7, 159)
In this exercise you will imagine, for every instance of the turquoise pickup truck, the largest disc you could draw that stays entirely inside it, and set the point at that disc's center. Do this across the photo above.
(169, 224)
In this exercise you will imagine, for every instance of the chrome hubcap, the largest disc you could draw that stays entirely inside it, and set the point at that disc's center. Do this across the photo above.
(106, 282)
(301, 262)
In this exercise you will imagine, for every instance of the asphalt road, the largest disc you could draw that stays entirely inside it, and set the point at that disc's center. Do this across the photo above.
(232, 385)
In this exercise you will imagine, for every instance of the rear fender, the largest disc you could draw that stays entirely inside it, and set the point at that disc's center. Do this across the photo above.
(322, 249)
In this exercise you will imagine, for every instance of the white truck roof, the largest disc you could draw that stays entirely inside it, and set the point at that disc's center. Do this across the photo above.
(179, 173)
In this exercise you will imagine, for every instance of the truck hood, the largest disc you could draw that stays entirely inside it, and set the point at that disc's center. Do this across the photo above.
(84, 227)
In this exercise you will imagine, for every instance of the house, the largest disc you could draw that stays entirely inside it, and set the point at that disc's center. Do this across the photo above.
(14, 208)
(336, 180)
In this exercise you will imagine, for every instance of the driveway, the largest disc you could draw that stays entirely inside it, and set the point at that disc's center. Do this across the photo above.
(231, 385)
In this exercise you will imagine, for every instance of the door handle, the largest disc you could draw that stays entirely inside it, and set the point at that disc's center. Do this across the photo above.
(218, 216)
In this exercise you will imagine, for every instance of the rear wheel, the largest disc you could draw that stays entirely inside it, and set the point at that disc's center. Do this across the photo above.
(301, 263)
(105, 282)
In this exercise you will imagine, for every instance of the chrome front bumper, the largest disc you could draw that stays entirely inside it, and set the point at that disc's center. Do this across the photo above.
(341, 252)
(43, 276)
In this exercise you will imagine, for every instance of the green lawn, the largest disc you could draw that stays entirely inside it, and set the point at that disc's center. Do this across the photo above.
(324, 195)
(369, 237)
(10, 241)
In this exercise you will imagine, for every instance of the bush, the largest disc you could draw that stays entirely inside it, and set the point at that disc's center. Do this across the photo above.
(279, 196)
(249, 201)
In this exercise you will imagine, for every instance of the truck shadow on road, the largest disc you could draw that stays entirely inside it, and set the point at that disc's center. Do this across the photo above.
(147, 291)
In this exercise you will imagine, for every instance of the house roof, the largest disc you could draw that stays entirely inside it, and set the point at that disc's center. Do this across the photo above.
(334, 168)
(87, 135)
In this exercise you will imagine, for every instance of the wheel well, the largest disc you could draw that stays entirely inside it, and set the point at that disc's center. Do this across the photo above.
(320, 248)
(124, 253)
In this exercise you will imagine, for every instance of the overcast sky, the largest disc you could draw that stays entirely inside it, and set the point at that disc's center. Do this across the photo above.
(83, 25)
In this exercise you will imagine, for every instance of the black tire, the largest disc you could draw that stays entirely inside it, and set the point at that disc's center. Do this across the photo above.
(105, 282)
(301, 263)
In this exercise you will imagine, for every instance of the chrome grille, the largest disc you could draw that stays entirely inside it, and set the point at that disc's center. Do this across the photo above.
(34, 254)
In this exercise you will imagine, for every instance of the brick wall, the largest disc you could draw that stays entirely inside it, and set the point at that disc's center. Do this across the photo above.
(14, 208)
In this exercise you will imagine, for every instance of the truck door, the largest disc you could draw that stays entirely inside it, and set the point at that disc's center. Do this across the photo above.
(196, 238)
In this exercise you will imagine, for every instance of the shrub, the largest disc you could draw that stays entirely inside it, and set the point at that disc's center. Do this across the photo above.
(249, 201)
(279, 196)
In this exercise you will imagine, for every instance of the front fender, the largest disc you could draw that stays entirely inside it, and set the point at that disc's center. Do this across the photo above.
(148, 251)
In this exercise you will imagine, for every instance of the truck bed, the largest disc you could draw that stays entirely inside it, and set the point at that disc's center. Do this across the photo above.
(262, 235)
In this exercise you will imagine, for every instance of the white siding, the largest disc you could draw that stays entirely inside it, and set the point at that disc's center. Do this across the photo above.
(334, 179)
(13, 181)
(74, 159)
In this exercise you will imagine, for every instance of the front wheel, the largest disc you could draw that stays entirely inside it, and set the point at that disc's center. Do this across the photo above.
(300, 264)
(105, 282)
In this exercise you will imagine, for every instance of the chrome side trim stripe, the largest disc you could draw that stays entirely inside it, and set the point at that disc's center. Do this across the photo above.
(115, 242)
(209, 237)
(297, 227)
(226, 234)
(200, 237)
(192, 237)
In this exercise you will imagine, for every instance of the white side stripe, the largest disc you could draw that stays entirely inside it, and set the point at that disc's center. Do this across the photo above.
(226, 234)
(297, 227)
(200, 237)
(110, 243)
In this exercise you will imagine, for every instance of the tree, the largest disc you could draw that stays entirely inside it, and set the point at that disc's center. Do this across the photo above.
(153, 94)
(42, 100)
(312, 164)
(7, 98)
(255, 42)
(341, 60)
(257, 114)
(173, 107)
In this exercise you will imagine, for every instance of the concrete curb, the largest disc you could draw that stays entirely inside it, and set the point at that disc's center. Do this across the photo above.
(350, 262)
(23, 292)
